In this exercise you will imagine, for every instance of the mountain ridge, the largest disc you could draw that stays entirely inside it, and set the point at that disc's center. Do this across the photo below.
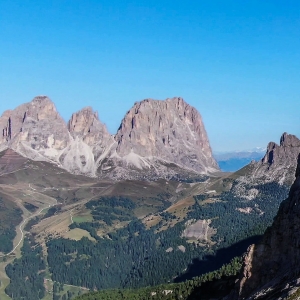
(178, 203)
(83, 145)
(271, 268)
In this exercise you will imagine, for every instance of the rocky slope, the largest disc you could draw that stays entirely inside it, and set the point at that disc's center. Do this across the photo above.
(90, 143)
(170, 130)
(281, 159)
(155, 139)
(278, 165)
(35, 130)
(272, 268)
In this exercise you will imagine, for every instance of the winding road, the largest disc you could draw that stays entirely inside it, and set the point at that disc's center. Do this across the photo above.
(21, 226)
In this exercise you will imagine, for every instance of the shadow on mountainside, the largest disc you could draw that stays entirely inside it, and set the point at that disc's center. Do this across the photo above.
(216, 289)
(214, 262)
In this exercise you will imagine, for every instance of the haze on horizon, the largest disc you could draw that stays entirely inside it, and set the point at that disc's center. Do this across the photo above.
(236, 62)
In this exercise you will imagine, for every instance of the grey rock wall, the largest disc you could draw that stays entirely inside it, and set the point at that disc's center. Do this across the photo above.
(171, 130)
(271, 269)
(155, 139)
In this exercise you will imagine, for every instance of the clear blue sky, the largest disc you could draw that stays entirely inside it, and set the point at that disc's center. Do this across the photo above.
(237, 62)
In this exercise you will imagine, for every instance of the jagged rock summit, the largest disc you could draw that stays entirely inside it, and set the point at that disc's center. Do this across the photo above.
(91, 142)
(271, 269)
(278, 165)
(285, 153)
(170, 130)
(34, 129)
(156, 139)
(280, 161)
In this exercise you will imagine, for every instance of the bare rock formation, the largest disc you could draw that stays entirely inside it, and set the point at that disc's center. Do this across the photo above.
(86, 125)
(34, 130)
(284, 154)
(90, 145)
(271, 269)
(156, 139)
(169, 130)
(199, 230)
(280, 160)
(278, 165)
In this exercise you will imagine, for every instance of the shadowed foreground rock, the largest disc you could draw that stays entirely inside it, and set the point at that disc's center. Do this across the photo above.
(271, 268)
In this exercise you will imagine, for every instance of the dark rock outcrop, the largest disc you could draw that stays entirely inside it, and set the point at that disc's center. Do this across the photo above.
(271, 268)
(278, 165)
(285, 153)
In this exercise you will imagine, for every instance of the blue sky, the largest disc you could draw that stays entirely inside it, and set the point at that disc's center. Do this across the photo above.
(237, 62)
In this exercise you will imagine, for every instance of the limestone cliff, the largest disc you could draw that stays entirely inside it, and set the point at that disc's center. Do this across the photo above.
(272, 268)
(281, 159)
(156, 139)
(86, 125)
(91, 143)
(169, 130)
(278, 165)
(34, 130)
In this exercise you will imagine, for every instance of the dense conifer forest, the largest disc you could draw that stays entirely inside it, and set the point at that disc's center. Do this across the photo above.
(27, 273)
(10, 217)
(222, 280)
(233, 225)
(141, 253)
(132, 257)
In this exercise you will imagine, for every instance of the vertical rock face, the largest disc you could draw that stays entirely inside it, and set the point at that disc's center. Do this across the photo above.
(170, 130)
(91, 143)
(5, 125)
(272, 268)
(86, 125)
(285, 153)
(35, 129)
(163, 138)
(278, 164)
(280, 160)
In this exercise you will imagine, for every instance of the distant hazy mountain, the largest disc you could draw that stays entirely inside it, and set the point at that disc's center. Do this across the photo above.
(235, 160)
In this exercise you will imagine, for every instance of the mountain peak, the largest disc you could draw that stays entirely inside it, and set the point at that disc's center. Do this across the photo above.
(284, 153)
(153, 135)
(86, 124)
(41, 99)
(34, 129)
(289, 140)
(271, 268)
(82, 120)
(171, 130)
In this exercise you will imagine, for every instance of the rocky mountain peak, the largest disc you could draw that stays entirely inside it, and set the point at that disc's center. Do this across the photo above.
(171, 130)
(83, 122)
(41, 100)
(278, 165)
(164, 138)
(271, 268)
(34, 129)
(283, 154)
(41, 108)
(86, 127)
(289, 140)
